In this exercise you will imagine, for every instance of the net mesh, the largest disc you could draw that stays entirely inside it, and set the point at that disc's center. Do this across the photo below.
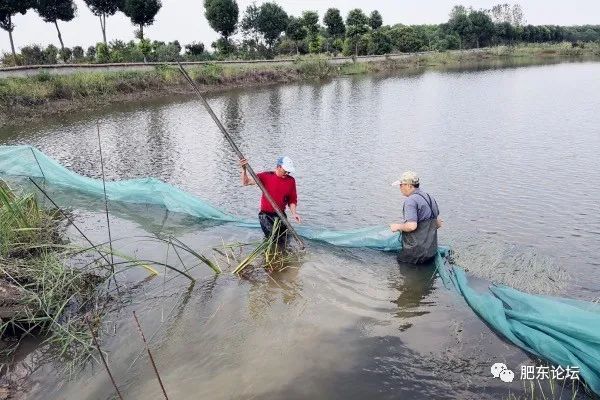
(563, 331)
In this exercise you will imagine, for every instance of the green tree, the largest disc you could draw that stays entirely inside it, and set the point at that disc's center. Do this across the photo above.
(141, 12)
(381, 42)
(51, 54)
(461, 24)
(335, 23)
(167, 52)
(102, 53)
(310, 21)
(55, 10)
(458, 11)
(222, 15)
(194, 49)
(65, 54)
(90, 54)
(78, 53)
(249, 23)
(447, 42)
(375, 20)
(358, 19)
(482, 28)
(8, 8)
(102, 9)
(32, 55)
(295, 31)
(271, 22)
(357, 24)
(506, 33)
(407, 39)
(145, 47)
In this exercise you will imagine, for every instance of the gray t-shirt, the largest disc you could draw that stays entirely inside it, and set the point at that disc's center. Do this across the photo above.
(420, 206)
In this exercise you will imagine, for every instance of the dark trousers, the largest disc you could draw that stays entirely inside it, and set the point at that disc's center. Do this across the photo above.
(267, 220)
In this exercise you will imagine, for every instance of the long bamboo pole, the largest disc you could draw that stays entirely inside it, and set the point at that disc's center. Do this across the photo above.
(241, 156)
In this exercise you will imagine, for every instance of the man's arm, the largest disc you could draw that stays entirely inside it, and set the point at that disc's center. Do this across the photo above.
(294, 213)
(410, 213)
(407, 227)
(439, 222)
(246, 179)
(294, 202)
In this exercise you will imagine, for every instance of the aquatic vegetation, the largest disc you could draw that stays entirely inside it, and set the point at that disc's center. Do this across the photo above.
(24, 226)
(55, 289)
(550, 389)
(44, 293)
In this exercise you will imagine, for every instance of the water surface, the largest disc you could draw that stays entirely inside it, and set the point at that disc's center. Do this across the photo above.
(511, 156)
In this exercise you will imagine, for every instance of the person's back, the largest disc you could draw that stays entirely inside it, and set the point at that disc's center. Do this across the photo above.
(421, 222)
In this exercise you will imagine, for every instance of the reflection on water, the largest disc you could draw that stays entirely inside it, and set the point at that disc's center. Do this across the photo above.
(510, 154)
(413, 291)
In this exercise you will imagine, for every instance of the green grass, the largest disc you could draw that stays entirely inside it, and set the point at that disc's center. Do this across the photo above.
(52, 288)
(47, 295)
(25, 229)
(271, 254)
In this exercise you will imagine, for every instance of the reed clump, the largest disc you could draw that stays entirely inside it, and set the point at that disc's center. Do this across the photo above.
(272, 253)
(41, 292)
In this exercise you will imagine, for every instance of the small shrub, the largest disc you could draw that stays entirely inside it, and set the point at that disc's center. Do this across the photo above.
(317, 68)
(102, 53)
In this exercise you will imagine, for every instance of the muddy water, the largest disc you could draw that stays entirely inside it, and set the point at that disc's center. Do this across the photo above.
(510, 154)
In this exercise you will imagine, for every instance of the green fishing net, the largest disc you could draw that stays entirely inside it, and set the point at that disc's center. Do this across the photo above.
(562, 331)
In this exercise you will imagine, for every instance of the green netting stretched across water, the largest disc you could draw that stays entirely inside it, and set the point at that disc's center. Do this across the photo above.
(565, 332)
(30, 162)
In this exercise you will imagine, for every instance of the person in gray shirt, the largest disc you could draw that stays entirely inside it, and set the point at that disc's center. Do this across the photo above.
(421, 222)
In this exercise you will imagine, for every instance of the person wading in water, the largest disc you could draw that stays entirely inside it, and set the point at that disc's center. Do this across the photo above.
(282, 188)
(421, 222)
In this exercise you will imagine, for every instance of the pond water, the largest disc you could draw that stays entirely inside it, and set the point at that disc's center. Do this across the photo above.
(511, 155)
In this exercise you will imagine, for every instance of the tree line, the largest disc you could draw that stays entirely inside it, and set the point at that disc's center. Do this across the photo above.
(140, 12)
(267, 31)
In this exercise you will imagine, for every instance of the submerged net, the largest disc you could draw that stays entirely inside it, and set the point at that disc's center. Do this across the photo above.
(565, 332)
(562, 331)
(29, 162)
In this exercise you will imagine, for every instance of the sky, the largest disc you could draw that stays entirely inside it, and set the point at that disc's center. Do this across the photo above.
(184, 19)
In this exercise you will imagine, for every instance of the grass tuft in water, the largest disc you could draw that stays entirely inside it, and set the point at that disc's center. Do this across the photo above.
(552, 389)
(55, 290)
(271, 253)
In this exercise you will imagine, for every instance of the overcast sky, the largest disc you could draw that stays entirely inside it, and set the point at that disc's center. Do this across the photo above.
(184, 19)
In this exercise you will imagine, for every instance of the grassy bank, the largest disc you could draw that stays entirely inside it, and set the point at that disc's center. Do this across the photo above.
(44, 94)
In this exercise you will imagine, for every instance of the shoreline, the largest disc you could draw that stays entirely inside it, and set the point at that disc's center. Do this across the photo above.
(30, 99)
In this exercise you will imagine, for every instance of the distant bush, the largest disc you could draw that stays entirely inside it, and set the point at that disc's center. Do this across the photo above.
(194, 49)
(65, 54)
(78, 54)
(50, 55)
(32, 55)
(90, 54)
(167, 53)
(317, 68)
(102, 53)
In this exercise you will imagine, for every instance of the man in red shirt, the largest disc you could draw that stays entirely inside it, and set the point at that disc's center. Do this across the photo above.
(282, 188)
